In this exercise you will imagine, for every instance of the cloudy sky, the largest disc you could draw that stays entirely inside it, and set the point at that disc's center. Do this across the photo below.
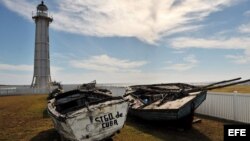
(129, 41)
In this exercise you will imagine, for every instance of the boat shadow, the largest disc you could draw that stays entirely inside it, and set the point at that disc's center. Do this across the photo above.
(47, 135)
(45, 114)
(52, 135)
(166, 130)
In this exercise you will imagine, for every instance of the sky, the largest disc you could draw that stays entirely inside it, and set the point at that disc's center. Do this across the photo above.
(129, 41)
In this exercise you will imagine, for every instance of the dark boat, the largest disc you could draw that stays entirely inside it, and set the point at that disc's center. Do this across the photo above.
(88, 113)
(171, 101)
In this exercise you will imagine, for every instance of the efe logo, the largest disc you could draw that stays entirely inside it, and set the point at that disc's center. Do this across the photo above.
(236, 132)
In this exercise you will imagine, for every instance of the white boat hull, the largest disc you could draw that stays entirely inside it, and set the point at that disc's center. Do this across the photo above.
(94, 123)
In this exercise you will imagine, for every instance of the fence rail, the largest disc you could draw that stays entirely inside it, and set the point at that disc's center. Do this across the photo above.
(20, 90)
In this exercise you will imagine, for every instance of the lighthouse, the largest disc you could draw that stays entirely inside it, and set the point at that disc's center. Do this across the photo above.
(41, 77)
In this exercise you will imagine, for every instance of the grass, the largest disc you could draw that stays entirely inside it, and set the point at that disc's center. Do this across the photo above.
(235, 88)
(207, 130)
(23, 118)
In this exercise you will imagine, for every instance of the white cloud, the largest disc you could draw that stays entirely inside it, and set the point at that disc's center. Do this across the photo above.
(10, 74)
(247, 13)
(128, 77)
(21, 7)
(178, 51)
(105, 63)
(14, 78)
(230, 43)
(149, 77)
(189, 62)
(183, 29)
(245, 28)
(8, 67)
(242, 43)
(146, 20)
(54, 70)
(240, 59)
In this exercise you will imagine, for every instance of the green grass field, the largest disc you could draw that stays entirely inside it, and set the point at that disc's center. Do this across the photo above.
(24, 118)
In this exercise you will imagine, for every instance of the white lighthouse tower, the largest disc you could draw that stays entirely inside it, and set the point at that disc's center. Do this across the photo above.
(41, 77)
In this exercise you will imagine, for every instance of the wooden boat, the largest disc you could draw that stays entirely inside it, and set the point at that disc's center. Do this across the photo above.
(171, 101)
(87, 114)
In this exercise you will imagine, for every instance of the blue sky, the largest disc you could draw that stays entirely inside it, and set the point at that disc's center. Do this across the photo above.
(127, 41)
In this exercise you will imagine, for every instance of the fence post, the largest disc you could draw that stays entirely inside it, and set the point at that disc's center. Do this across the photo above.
(234, 105)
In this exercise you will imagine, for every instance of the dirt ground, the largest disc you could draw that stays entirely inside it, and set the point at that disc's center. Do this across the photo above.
(24, 118)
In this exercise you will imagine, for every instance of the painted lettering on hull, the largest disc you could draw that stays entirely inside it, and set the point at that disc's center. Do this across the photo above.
(109, 120)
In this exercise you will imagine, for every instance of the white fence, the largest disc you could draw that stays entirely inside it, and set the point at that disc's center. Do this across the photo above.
(231, 106)
(20, 90)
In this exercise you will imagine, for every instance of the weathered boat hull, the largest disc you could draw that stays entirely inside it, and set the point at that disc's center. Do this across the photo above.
(94, 123)
(170, 101)
(169, 114)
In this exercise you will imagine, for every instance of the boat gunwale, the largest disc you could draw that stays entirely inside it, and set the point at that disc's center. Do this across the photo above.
(164, 110)
(72, 92)
(63, 116)
(163, 84)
